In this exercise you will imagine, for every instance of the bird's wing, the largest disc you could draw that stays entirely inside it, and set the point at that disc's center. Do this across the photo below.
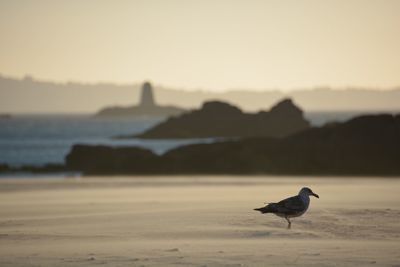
(291, 205)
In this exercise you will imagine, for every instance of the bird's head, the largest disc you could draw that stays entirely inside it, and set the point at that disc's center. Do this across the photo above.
(308, 192)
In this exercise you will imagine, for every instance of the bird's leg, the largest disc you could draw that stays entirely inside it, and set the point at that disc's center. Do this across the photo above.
(289, 223)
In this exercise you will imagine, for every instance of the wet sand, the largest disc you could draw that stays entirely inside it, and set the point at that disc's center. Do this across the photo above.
(197, 221)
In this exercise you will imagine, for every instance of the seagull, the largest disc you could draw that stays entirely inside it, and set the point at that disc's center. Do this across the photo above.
(290, 207)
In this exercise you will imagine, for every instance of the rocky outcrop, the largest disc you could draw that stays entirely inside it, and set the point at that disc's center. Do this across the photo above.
(366, 145)
(110, 160)
(5, 116)
(147, 107)
(219, 119)
(4, 167)
(47, 168)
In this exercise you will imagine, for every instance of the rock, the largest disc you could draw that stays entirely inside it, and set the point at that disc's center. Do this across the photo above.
(286, 108)
(5, 116)
(366, 145)
(219, 108)
(4, 167)
(47, 168)
(219, 119)
(110, 160)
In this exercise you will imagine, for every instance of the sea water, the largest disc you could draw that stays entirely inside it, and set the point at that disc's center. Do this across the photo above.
(42, 139)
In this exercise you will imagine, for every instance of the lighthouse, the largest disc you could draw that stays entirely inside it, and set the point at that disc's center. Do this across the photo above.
(147, 107)
(147, 99)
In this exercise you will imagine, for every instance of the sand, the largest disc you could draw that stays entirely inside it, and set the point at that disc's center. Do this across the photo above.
(197, 221)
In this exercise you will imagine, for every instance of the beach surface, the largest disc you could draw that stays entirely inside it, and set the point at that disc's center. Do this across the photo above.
(197, 221)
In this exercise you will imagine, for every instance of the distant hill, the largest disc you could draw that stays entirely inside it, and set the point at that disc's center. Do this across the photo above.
(220, 119)
(29, 95)
(366, 145)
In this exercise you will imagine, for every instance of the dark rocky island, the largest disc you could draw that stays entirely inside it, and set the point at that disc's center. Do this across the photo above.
(219, 119)
(46, 168)
(4, 116)
(146, 108)
(4, 167)
(366, 145)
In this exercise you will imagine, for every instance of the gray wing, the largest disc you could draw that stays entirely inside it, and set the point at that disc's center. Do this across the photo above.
(291, 205)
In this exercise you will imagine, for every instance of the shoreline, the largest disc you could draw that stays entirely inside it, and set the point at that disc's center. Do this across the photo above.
(197, 176)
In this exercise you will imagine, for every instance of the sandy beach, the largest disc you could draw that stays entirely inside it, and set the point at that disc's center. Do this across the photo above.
(197, 221)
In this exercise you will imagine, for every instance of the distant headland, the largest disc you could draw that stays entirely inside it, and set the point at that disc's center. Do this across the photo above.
(147, 107)
(31, 95)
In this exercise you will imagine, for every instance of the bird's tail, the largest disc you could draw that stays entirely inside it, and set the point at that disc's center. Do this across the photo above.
(267, 209)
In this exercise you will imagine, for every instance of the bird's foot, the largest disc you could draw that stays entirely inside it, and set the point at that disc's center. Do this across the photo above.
(289, 223)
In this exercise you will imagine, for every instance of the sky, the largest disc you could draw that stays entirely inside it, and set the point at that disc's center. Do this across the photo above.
(206, 44)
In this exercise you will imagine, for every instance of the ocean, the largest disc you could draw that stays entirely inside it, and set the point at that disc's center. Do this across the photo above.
(42, 139)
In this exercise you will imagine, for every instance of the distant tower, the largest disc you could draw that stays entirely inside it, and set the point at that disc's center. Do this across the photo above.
(147, 99)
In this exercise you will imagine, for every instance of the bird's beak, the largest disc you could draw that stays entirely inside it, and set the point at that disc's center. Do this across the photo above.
(315, 195)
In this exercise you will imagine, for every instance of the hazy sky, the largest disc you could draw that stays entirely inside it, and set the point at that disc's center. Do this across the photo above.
(213, 44)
